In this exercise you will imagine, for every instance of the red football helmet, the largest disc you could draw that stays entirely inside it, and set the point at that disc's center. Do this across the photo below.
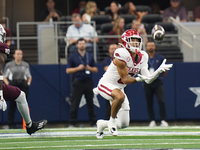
(127, 37)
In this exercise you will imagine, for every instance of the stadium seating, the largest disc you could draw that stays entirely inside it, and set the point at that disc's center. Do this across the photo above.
(106, 28)
(100, 19)
(143, 8)
(151, 18)
(149, 21)
(107, 10)
(128, 18)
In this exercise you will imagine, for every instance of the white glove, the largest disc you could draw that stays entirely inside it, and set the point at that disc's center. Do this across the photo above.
(3, 105)
(154, 75)
(141, 78)
(164, 67)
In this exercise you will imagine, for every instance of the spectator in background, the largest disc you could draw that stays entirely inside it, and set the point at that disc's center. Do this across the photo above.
(118, 29)
(156, 87)
(130, 8)
(175, 10)
(79, 29)
(50, 12)
(114, 10)
(197, 13)
(155, 8)
(91, 10)
(106, 62)
(136, 25)
(81, 4)
(17, 73)
(81, 65)
(8, 34)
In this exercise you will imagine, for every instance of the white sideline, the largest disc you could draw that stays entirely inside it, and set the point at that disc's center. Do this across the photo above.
(92, 133)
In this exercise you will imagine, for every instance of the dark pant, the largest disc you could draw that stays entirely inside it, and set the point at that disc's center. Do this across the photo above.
(80, 88)
(22, 84)
(156, 88)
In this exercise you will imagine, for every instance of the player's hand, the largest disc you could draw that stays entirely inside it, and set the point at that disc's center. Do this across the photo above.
(3, 105)
(141, 78)
(163, 67)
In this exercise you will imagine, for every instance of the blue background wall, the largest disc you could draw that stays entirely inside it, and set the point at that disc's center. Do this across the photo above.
(51, 85)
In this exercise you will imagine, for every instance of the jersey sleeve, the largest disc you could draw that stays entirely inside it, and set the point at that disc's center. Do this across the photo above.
(144, 66)
(121, 54)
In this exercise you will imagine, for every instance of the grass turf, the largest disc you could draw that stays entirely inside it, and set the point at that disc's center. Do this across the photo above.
(190, 141)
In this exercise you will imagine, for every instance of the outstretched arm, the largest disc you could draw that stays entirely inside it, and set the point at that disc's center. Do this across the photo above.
(163, 67)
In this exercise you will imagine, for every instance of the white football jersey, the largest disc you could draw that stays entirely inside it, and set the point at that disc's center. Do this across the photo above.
(112, 76)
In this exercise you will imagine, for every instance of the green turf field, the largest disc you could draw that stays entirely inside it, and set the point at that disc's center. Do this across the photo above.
(184, 137)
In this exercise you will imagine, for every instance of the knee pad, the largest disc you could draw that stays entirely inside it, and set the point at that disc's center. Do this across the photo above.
(21, 98)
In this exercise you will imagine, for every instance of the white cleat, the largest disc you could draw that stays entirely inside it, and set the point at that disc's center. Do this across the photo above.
(152, 124)
(164, 124)
(112, 128)
(100, 129)
(99, 135)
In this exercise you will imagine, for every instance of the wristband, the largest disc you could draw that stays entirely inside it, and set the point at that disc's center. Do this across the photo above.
(1, 77)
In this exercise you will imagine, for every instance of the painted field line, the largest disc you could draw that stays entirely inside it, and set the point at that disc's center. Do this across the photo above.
(121, 140)
(130, 127)
(92, 133)
(103, 145)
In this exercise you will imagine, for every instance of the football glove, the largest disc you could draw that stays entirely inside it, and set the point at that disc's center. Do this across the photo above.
(164, 67)
(3, 105)
(141, 78)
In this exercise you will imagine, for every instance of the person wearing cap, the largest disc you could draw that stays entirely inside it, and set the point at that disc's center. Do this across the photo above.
(176, 11)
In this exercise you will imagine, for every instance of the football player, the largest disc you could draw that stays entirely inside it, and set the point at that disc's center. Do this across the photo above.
(129, 61)
(12, 93)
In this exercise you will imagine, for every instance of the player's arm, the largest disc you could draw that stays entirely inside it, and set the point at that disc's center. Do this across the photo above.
(5, 80)
(151, 77)
(123, 72)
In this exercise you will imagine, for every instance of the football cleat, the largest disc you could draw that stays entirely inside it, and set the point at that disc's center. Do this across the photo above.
(36, 126)
(100, 129)
(112, 128)
(99, 135)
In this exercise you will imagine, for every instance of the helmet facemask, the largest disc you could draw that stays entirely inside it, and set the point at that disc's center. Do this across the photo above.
(134, 44)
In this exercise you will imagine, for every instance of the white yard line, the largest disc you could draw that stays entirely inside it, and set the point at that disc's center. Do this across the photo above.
(92, 133)
(121, 140)
(107, 145)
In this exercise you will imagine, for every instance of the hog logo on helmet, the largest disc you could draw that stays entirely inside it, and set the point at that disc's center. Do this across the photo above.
(126, 40)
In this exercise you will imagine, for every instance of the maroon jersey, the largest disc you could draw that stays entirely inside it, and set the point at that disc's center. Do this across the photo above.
(10, 93)
(4, 48)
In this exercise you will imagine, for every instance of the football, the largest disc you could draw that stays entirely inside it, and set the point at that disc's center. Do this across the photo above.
(158, 33)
